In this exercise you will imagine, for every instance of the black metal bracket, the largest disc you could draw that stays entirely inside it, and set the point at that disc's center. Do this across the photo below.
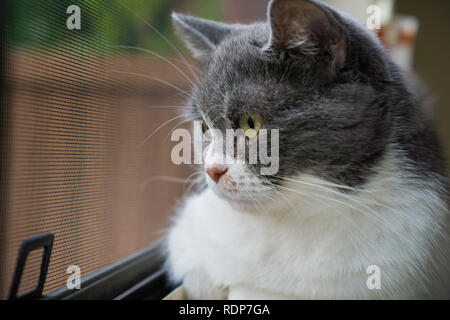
(42, 241)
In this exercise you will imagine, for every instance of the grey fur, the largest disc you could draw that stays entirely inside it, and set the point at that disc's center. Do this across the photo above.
(335, 119)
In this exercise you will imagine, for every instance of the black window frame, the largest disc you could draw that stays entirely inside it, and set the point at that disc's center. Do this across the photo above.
(140, 276)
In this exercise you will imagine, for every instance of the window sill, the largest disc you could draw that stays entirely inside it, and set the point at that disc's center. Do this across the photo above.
(136, 277)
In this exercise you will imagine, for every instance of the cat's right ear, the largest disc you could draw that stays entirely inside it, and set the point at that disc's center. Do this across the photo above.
(201, 36)
(307, 27)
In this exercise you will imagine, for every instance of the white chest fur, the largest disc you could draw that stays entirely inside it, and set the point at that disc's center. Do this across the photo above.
(319, 250)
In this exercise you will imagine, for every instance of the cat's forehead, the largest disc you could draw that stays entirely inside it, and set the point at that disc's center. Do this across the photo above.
(239, 99)
(240, 74)
(242, 52)
(236, 93)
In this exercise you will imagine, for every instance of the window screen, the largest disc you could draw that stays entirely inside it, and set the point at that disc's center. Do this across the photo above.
(78, 110)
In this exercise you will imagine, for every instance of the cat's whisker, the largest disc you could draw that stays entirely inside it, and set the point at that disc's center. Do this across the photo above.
(267, 196)
(351, 198)
(166, 107)
(151, 78)
(325, 183)
(200, 181)
(317, 195)
(159, 128)
(312, 204)
(324, 203)
(178, 125)
(187, 64)
(168, 179)
(193, 175)
(259, 203)
(326, 189)
(192, 184)
(212, 123)
(374, 214)
(281, 195)
(162, 58)
(163, 178)
(178, 52)
(220, 92)
(206, 116)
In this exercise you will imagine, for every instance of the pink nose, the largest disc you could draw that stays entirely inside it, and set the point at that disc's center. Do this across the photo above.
(216, 172)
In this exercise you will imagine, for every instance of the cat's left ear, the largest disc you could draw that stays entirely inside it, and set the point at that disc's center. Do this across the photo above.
(307, 27)
(201, 36)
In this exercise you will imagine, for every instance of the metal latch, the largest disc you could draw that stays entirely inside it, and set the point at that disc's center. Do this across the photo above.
(42, 241)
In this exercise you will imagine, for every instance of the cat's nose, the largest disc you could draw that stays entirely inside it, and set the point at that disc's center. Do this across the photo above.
(216, 172)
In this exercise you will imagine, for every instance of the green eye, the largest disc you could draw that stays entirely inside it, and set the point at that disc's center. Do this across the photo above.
(251, 124)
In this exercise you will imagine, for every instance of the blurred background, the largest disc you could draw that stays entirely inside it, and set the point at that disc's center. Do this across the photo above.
(87, 114)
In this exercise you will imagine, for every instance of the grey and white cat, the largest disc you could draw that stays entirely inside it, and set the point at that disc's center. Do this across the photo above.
(362, 180)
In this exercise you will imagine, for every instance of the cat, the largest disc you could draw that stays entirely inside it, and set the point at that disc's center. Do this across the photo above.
(358, 208)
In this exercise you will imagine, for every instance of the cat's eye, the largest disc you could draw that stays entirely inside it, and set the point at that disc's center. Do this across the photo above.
(251, 124)
(205, 128)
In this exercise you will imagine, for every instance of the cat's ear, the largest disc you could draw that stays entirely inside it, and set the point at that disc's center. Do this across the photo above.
(307, 27)
(201, 36)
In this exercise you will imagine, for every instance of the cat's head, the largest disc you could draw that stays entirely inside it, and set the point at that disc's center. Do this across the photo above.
(308, 71)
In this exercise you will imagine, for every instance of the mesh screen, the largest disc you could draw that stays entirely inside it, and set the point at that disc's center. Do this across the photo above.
(77, 106)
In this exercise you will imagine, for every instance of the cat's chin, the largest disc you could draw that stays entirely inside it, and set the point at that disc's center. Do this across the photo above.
(240, 201)
(234, 198)
(240, 198)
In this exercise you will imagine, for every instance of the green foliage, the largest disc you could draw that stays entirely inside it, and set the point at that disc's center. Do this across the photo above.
(104, 23)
